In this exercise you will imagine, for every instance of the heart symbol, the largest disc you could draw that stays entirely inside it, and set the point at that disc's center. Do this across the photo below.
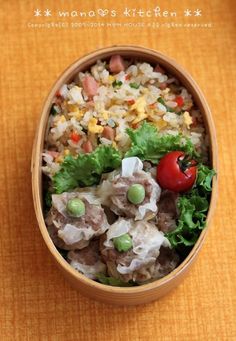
(103, 12)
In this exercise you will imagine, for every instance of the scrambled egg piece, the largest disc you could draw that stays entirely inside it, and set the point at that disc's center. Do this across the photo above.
(66, 152)
(139, 107)
(111, 78)
(77, 114)
(74, 111)
(60, 119)
(160, 124)
(187, 119)
(93, 127)
(71, 107)
(59, 159)
(114, 144)
(165, 91)
(105, 115)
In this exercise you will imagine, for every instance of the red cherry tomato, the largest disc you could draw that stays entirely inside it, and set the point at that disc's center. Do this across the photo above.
(176, 172)
(179, 100)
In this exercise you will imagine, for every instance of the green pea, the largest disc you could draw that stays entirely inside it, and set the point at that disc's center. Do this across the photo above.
(123, 243)
(136, 194)
(75, 207)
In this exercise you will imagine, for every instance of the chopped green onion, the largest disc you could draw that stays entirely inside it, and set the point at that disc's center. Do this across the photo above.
(113, 281)
(48, 199)
(161, 100)
(53, 110)
(116, 84)
(134, 85)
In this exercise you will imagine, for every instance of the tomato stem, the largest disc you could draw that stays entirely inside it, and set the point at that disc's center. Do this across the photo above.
(185, 162)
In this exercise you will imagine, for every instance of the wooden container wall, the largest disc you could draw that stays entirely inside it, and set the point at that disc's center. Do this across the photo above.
(104, 293)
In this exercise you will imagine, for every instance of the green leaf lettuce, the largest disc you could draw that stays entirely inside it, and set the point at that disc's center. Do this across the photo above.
(113, 281)
(204, 177)
(193, 207)
(86, 169)
(149, 145)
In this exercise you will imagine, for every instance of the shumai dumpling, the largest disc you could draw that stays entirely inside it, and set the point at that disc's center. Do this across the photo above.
(114, 191)
(146, 253)
(87, 261)
(72, 232)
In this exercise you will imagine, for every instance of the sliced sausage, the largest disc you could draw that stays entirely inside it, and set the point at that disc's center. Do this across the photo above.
(108, 133)
(90, 86)
(158, 68)
(87, 147)
(163, 86)
(116, 64)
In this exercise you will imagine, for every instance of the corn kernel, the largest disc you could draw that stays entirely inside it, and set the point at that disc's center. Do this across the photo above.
(66, 152)
(93, 127)
(139, 118)
(59, 159)
(72, 107)
(160, 124)
(111, 79)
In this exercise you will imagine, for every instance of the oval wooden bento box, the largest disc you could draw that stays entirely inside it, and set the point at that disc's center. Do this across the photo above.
(104, 293)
